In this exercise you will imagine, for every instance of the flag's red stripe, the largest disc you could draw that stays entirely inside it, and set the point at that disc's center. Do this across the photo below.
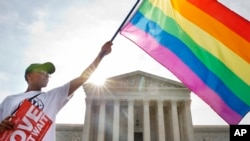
(221, 13)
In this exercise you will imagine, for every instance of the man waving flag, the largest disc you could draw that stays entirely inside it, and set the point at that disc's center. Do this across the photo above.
(202, 42)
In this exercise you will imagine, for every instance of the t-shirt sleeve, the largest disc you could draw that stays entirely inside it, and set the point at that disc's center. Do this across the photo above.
(58, 97)
(6, 108)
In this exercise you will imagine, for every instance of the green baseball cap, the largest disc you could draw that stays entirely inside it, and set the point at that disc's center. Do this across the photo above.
(48, 67)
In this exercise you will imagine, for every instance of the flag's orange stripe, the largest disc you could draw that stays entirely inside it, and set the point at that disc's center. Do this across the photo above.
(222, 33)
(232, 20)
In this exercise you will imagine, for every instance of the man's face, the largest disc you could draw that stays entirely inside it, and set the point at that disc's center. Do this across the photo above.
(38, 78)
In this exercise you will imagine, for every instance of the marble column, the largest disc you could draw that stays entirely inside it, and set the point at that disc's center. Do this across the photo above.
(87, 122)
(161, 123)
(101, 127)
(175, 121)
(130, 120)
(187, 121)
(116, 121)
(146, 121)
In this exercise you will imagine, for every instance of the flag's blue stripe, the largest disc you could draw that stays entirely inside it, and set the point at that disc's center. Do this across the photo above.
(187, 56)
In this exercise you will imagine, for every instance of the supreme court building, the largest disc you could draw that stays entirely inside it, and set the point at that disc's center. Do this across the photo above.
(139, 106)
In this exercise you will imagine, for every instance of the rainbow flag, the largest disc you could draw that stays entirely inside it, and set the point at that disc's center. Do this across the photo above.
(205, 44)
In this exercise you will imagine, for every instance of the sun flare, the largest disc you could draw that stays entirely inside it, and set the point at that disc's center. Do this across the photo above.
(97, 80)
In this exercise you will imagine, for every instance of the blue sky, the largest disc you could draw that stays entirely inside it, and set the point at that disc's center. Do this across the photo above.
(69, 33)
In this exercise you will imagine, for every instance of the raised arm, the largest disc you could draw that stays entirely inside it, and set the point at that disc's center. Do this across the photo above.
(77, 82)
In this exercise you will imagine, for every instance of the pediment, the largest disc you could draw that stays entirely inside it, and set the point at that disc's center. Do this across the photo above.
(141, 80)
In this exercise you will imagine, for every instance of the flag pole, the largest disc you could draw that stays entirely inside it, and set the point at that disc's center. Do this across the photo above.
(124, 21)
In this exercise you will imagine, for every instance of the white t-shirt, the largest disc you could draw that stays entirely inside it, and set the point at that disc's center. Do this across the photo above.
(50, 102)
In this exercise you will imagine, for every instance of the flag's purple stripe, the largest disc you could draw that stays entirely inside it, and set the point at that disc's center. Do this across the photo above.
(172, 62)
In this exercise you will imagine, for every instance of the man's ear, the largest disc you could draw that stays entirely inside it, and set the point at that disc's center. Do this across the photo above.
(28, 77)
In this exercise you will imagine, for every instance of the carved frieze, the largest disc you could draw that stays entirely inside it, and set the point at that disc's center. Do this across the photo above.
(142, 80)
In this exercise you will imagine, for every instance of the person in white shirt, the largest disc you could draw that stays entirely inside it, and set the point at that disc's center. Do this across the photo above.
(50, 102)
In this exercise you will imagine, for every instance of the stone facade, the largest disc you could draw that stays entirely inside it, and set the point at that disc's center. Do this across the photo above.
(138, 106)
(211, 133)
(68, 132)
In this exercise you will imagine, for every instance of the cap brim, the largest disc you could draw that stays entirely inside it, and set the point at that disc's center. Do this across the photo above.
(48, 67)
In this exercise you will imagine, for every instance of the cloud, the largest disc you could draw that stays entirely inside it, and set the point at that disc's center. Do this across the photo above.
(3, 76)
(71, 42)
